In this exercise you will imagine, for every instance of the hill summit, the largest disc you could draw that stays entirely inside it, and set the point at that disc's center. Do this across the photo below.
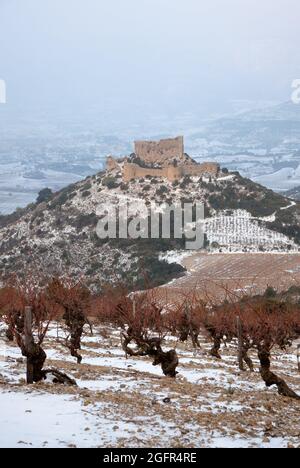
(57, 234)
(164, 158)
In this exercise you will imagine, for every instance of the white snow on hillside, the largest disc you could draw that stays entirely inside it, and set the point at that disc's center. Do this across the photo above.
(119, 402)
(241, 229)
(283, 180)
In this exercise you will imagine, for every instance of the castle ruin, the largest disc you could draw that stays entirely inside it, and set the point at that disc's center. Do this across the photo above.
(160, 152)
(164, 158)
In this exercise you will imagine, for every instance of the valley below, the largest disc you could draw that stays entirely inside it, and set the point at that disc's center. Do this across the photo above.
(262, 144)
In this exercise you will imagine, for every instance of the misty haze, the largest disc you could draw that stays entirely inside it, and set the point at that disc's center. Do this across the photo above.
(85, 79)
(149, 326)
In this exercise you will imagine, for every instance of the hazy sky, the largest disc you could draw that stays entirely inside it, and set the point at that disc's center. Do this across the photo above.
(174, 54)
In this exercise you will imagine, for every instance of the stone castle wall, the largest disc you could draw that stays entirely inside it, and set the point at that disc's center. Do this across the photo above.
(133, 171)
(161, 151)
(111, 163)
(206, 168)
(164, 153)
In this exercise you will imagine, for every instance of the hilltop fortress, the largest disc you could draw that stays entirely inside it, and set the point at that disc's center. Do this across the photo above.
(164, 158)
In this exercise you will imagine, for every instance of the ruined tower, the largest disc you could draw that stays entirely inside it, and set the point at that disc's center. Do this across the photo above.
(160, 152)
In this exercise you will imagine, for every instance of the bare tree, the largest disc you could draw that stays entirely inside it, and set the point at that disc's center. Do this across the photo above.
(263, 324)
(28, 314)
(73, 299)
(143, 326)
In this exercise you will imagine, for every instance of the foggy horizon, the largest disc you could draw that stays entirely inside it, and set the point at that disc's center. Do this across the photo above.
(150, 57)
(85, 79)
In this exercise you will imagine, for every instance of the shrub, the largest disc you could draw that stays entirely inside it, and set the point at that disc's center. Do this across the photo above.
(87, 186)
(185, 182)
(44, 195)
(110, 182)
(162, 190)
(84, 220)
(124, 187)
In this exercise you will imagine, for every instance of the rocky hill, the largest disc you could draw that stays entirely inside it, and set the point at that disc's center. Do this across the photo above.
(57, 235)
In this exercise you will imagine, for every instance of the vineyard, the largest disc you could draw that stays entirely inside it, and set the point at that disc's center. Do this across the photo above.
(120, 369)
(247, 273)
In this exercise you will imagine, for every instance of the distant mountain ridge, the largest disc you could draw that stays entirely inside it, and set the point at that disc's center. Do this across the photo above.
(287, 111)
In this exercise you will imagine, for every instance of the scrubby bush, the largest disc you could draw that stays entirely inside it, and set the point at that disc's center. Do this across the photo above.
(44, 195)
(162, 190)
(110, 182)
(83, 220)
(124, 187)
(186, 181)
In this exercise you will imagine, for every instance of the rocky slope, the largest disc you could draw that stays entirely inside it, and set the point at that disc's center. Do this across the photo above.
(58, 235)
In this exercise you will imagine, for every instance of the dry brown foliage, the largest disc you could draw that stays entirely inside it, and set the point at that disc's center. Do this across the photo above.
(255, 322)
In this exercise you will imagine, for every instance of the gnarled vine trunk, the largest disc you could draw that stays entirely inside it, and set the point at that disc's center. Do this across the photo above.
(246, 358)
(151, 347)
(35, 354)
(270, 378)
(36, 358)
(9, 333)
(75, 321)
(188, 328)
(216, 347)
(168, 361)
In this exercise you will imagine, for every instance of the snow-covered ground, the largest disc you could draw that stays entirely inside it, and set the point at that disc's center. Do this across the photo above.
(281, 180)
(176, 256)
(120, 402)
(241, 231)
